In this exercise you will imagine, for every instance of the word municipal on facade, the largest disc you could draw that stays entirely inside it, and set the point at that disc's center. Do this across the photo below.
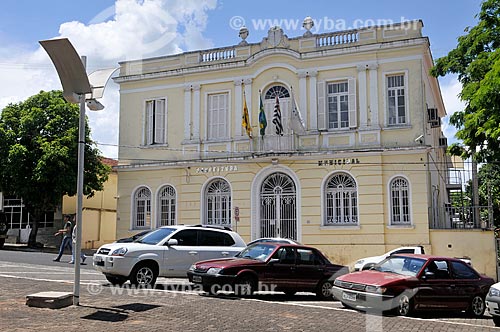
(216, 169)
(332, 162)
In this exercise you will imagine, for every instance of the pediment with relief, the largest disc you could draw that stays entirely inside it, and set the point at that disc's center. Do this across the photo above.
(275, 38)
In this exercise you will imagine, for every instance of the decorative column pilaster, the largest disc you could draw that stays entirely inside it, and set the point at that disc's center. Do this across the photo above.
(238, 103)
(187, 112)
(313, 100)
(303, 95)
(196, 111)
(248, 93)
(373, 72)
(362, 96)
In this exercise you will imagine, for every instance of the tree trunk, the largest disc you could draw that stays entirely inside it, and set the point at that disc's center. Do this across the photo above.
(34, 217)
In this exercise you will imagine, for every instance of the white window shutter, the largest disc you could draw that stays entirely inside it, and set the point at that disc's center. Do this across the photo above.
(149, 123)
(211, 115)
(160, 121)
(321, 105)
(224, 121)
(353, 121)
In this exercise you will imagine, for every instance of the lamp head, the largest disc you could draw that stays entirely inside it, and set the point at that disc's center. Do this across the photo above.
(94, 105)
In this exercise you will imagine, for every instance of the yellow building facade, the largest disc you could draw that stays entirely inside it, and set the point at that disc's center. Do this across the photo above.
(98, 212)
(358, 168)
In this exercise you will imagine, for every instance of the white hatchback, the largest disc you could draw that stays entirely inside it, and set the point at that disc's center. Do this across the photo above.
(166, 252)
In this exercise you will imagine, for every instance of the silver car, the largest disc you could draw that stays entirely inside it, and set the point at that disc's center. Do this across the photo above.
(493, 303)
(166, 252)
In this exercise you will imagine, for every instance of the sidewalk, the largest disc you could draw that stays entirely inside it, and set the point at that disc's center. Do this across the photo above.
(118, 309)
(54, 250)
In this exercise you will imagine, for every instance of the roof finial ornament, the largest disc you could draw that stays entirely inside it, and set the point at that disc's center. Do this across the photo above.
(243, 35)
(308, 25)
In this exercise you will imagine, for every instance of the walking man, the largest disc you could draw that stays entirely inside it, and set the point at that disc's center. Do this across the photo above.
(66, 241)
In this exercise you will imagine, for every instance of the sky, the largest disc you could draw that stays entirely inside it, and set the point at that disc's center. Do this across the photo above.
(110, 31)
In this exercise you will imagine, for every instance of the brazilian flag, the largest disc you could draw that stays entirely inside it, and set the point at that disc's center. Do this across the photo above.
(262, 118)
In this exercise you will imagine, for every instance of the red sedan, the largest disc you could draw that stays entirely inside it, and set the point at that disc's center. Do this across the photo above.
(405, 283)
(271, 267)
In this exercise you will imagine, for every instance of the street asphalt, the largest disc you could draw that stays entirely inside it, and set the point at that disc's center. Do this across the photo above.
(174, 305)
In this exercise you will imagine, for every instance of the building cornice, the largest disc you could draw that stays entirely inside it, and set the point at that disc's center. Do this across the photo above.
(268, 156)
(255, 58)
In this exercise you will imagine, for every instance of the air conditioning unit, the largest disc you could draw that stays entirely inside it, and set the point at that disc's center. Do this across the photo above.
(433, 117)
(443, 142)
(436, 124)
(432, 114)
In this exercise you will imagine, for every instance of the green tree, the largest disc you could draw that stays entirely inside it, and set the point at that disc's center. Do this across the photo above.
(476, 61)
(39, 154)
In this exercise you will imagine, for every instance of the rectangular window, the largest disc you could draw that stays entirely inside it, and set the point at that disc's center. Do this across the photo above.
(217, 126)
(338, 105)
(396, 100)
(18, 216)
(155, 129)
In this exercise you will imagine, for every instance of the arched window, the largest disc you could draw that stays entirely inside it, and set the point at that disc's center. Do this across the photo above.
(341, 201)
(166, 206)
(277, 90)
(142, 209)
(218, 203)
(400, 202)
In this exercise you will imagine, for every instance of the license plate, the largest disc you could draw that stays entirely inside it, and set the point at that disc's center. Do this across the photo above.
(197, 279)
(492, 305)
(99, 263)
(349, 296)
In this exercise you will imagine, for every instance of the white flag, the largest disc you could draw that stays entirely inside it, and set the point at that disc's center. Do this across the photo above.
(297, 123)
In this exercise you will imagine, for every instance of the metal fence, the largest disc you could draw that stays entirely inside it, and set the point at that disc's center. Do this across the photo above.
(465, 217)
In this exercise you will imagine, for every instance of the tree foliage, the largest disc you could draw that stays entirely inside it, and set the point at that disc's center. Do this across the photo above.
(476, 61)
(39, 154)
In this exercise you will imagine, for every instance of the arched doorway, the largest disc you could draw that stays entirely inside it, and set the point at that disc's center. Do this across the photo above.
(278, 207)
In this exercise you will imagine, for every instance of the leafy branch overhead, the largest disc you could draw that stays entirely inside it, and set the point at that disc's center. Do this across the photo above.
(476, 61)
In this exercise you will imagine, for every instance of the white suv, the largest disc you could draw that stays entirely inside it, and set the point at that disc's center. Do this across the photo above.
(166, 252)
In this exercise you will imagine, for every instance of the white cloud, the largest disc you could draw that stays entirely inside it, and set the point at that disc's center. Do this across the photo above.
(131, 29)
(450, 90)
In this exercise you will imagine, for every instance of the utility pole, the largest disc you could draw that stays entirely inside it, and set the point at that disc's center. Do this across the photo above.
(475, 191)
(490, 207)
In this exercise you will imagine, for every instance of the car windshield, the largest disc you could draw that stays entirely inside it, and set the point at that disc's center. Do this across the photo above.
(258, 251)
(155, 236)
(409, 266)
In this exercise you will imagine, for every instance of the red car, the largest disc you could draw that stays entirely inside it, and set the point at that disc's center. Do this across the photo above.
(269, 266)
(405, 283)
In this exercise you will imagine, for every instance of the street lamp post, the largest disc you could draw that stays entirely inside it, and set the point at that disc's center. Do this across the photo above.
(77, 88)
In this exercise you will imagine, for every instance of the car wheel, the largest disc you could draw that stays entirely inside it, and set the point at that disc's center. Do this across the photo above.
(116, 280)
(405, 305)
(143, 275)
(245, 285)
(324, 290)
(476, 306)
(496, 320)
